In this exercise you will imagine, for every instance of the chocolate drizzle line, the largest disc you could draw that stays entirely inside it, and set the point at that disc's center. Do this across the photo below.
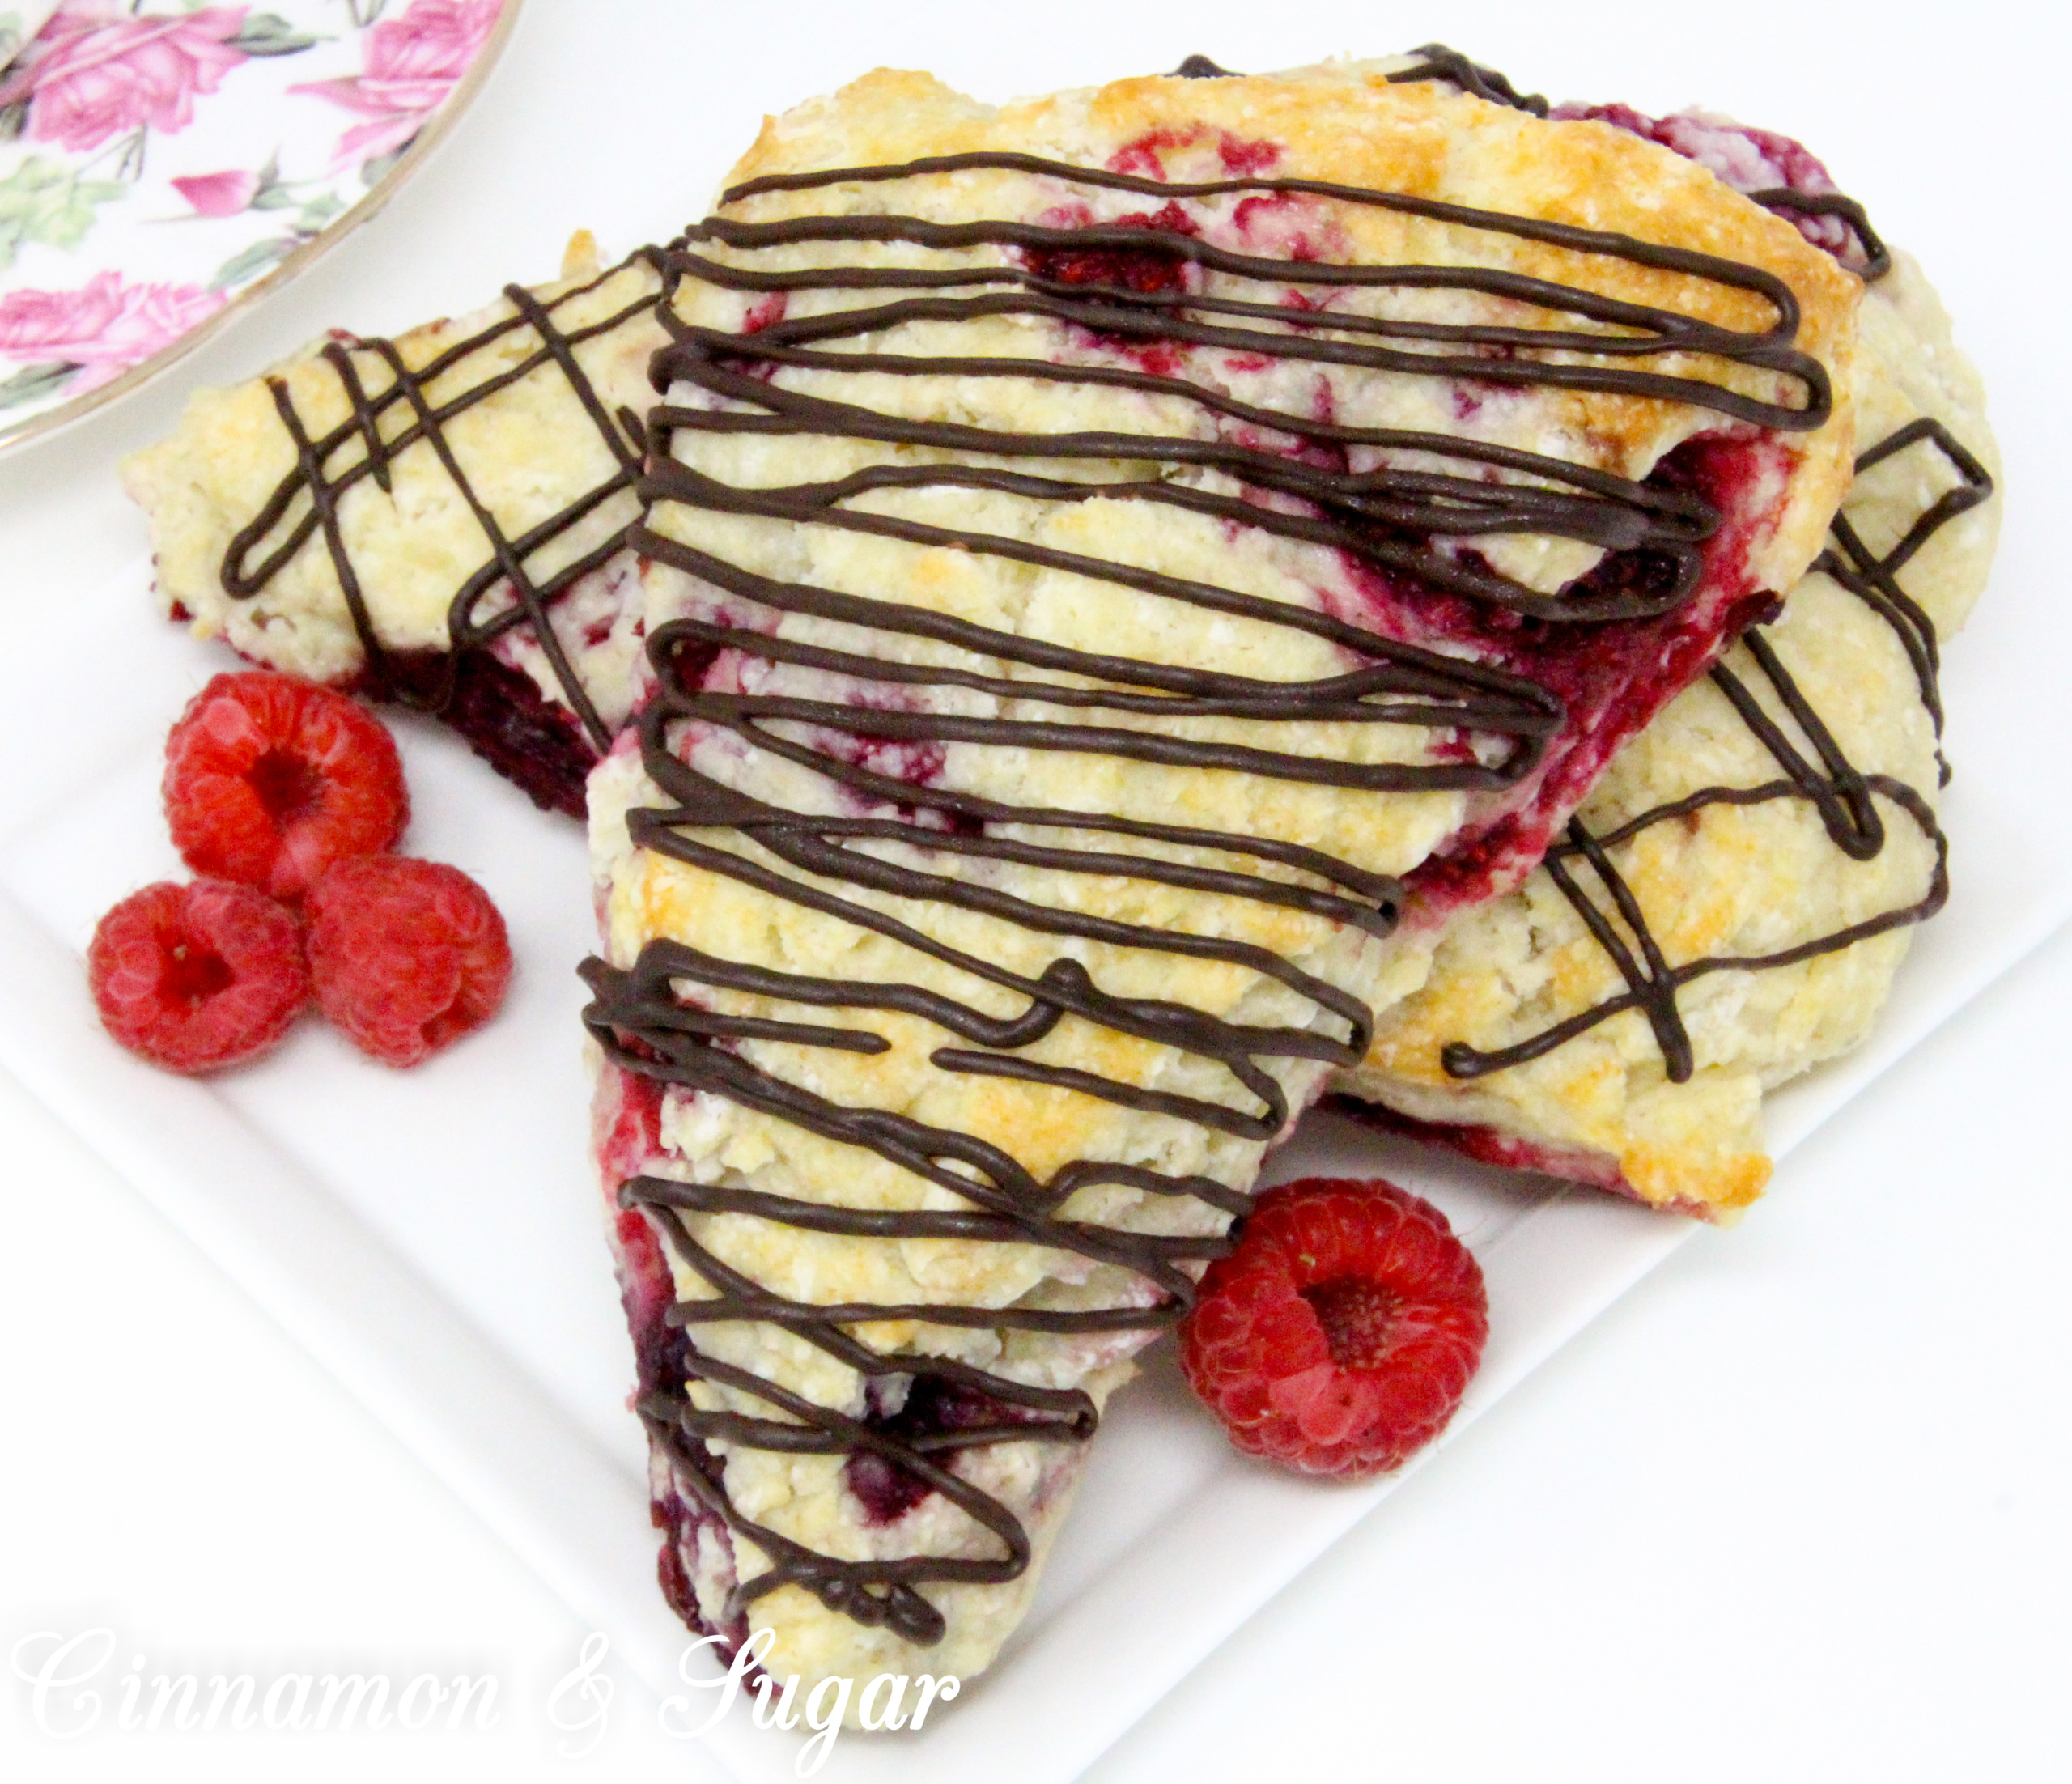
(1389, 515)
(919, 843)
(1878, 258)
(1441, 63)
(1134, 312)
(320, 483)
(1839, 791)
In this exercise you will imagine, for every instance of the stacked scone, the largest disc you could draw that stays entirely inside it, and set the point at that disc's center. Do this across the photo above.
(1131, 585)
(1104, 555)
(1739, 890)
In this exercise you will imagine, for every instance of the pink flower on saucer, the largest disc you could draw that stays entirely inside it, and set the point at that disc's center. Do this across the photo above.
(105, 325)
(217, 194)
(96, 75)
(412, 63)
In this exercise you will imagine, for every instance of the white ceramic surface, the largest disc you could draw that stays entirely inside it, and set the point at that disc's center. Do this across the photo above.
(429, 1235)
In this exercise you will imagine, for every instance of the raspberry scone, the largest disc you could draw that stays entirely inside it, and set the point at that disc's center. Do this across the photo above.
(1101, 552)
(1729, 907)
(437, 518)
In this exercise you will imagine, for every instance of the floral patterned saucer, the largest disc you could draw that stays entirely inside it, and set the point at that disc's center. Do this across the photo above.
(162, 164)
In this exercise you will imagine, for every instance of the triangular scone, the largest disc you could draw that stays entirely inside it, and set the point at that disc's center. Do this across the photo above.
(1548, 1036)
(1092, 566)
(473, 564)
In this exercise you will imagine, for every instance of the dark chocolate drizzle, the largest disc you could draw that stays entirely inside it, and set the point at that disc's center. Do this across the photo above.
(439, 685)
(1136, 282)
(1855, 247)
(1443, 64)
(307, 501)
(1845, 798)
(1877, 256)
(1440, 63)
(549, 768)
(1389, 515)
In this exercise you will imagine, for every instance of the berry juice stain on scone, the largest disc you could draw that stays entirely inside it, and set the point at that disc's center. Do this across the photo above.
(1772, 169)
(1075, 613)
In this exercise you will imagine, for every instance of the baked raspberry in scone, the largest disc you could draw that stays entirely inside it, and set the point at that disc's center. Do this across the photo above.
(436, 518)
(1101, 551)
(1729, 905)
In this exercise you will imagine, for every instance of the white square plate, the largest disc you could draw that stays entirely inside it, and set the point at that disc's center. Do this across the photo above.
(432, 1236)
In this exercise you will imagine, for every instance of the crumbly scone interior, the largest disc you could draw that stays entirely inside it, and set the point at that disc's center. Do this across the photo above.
(875, 619)
(1729, 882)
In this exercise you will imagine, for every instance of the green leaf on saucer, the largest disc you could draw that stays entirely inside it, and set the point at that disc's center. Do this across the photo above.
(319, 211)
(378, 168)
(32, 382)
(47, 201)
(261, 257)
(269, 34)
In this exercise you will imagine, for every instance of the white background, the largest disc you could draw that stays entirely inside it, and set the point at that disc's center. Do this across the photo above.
(1797, 1508)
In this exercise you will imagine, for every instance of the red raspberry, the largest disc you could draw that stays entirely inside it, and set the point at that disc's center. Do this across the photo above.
(269, 780)
(198, 977)
(1339, 1336)
(407, 956)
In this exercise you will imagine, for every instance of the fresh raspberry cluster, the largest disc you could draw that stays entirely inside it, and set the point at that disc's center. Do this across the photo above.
(287, 797)
(1339, 1336)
